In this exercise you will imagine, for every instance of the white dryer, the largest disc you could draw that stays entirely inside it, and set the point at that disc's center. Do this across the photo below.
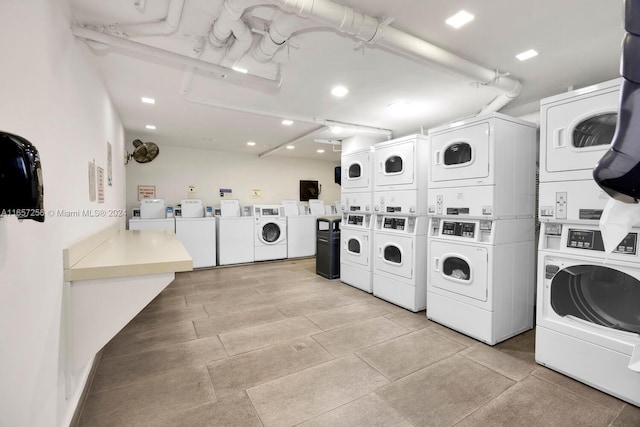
(270, 233)
(588, 315)
(576, 129)
(356, 202)
(234, 230)
(356, 175)
(481, 276)
(483, 167)
(197, 233)
(400, 254)
(153, 216)
(356, 263)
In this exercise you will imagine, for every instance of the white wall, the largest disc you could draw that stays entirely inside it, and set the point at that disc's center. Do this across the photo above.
(278, 177)
(53, 96)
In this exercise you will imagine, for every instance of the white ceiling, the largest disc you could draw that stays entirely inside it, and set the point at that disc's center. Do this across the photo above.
(578, 41)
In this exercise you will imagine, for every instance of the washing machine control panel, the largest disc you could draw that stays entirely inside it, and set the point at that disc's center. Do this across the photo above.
(391, 223)
(461, 229)
(592, 240)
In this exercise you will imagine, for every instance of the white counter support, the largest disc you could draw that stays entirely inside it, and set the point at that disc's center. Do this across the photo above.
(109, 279)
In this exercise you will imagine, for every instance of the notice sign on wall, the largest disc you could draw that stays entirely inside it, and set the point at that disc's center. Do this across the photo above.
(100, 185)
(256, 193)
(146, 192)
(226, 192)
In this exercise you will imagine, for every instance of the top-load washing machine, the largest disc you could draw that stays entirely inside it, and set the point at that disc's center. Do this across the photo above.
(576, 129)
(153, 216)
(301, 227)
(400, 175)
(356, 175)
(270, 232)
(197, 233)
(234, 230)
(588, 315)
(483, 167)
(480, 278)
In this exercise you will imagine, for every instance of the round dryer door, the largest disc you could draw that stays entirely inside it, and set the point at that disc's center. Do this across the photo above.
(456, 268)
(393, 165)
(270, 232)
(355, 171)
(457, 154)
(595, 131)
(353, 246)
(600, 295)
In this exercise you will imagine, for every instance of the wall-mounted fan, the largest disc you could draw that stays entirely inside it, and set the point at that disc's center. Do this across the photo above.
(144, 152)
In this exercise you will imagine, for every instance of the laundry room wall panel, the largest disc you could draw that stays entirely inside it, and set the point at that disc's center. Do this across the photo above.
(278, 177)
(52, 95)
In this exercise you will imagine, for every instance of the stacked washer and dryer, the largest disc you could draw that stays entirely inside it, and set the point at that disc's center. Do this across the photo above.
(588, 315)
(356, 228)
(481, 241)
(400, 227)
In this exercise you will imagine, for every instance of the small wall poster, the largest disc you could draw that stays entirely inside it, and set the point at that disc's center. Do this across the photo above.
(92, 181)
(256, 193)
(109, 164)
(146, 192)
(100, 185)
(226, 192)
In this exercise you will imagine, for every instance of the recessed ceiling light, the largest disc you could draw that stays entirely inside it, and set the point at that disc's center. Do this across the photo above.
(320, 151)
(287, 122)
(151, 127)
(148, 100)
(251, 143)
(459, 19)
(290, 147)
(336, 129)
(240, 70)
(339, 91)
(527, 55)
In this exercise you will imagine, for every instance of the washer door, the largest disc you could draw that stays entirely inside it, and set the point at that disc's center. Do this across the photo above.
(460, 269)
(270, 233)
(355, 248)
(600, 295)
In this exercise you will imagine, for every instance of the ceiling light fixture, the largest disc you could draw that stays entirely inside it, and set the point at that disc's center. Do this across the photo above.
(320, 151)
(150, 127)
(148, 100)
(240, 70)
(287, 122)
(459, 19)
(251, 143)
(290, 147)
(527, 55)
(339, 91)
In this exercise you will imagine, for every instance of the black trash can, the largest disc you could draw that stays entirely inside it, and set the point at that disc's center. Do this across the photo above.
(328, 246)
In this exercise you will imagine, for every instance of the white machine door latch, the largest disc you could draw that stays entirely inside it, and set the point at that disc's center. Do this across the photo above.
(436, 264)
(558, 138)
(634, 363)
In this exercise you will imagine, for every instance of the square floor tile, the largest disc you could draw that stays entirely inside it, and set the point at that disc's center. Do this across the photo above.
(304, 395)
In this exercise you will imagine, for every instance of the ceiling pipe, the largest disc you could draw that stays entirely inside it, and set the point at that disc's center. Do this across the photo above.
(168, 25)
(366, 28)
(279, 115)
(232, 11)
(277, 148)
(241, 45)
(281, 28)
(245, 80)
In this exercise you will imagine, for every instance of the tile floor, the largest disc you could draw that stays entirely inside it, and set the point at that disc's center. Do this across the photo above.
(274, 344)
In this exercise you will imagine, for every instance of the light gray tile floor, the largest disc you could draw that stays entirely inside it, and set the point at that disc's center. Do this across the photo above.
(274, 344)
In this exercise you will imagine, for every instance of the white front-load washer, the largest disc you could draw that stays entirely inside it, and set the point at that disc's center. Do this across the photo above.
(588, 310)
(234, 232)
(197, 233)
(483, 167)
(576, 129)
(356, 175)
(270, 232)
(356, 263)
(400, 254)
(480, 278)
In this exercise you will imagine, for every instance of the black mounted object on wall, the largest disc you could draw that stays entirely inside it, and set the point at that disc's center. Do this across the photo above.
(337, 175)
(618, 171)
(21, 189)
(309, 190)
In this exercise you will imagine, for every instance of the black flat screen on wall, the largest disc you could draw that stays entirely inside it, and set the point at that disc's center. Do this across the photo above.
(337, 175)
(308, 190)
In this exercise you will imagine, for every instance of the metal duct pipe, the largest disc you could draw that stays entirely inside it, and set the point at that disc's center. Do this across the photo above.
(242, 44)
(369, 30)
(293, 141)
(168, 25)
(246, 80)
